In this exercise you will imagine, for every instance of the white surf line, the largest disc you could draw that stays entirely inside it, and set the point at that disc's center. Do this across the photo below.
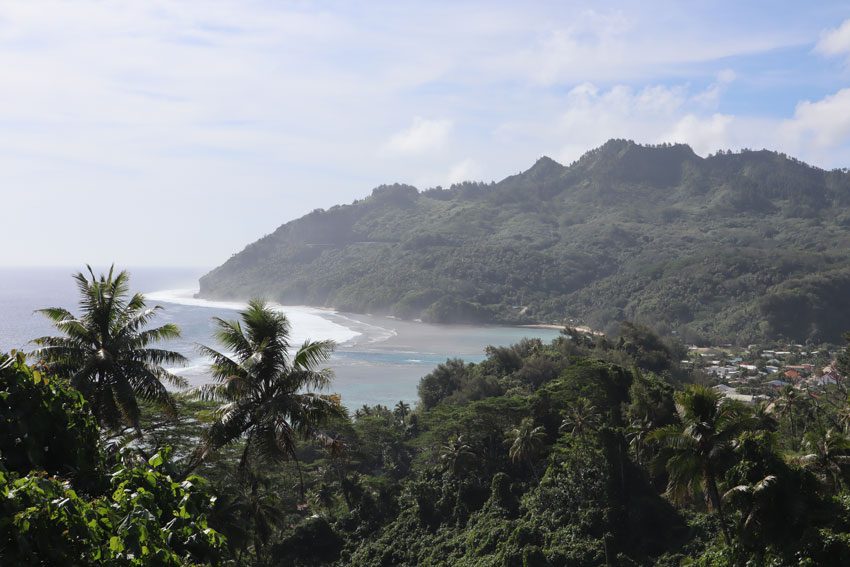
(307, 322)
(380, 333)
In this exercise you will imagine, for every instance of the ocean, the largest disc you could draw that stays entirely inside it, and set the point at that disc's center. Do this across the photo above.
(378, 359)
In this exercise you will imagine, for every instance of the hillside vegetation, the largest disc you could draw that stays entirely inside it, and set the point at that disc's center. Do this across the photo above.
(733, 247)
(586, 450)
(568, 453)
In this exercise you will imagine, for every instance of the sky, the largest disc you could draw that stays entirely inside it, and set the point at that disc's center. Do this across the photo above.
(174, 133)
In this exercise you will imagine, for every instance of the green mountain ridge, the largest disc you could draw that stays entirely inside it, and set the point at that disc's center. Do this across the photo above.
(734, 247)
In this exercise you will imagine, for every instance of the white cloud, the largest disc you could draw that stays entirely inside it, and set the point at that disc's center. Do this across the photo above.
(824, 123)
(710, 97)
(616, 46)
(726, 76)
(208, 108)
(819, 131)
(705, 134)
(466, 170)
(593, 116)
(423, 136)
(835, 41)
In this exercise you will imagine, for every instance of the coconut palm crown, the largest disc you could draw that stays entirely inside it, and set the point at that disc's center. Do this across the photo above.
(105, 350)
(264, 391)
(695, 450)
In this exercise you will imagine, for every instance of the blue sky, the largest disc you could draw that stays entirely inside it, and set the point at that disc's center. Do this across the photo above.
(174, 133)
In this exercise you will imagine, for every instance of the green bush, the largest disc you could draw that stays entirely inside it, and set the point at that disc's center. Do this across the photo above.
(148, 519)
(46, 426)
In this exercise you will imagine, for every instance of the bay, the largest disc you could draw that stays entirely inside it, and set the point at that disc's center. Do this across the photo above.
(378, 359)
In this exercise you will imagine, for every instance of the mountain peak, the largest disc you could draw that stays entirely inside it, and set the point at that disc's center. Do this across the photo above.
(628, 161)
(618, 147)
(544, 167)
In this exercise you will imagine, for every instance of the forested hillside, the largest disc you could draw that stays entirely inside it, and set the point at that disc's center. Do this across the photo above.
(588, 450)
(733, 247)
(569, 453)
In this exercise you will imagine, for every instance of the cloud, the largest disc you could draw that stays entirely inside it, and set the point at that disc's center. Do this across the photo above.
(824, 123)
(710, 98)
(835, 41)
(726, 76)
(649, 114)
(704, 134)
(466, 170)
(423, 136)
(619, 45)
(207, 108)
(818, 131)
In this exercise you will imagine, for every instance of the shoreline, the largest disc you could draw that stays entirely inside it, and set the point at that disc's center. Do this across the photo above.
(351, 315)
(579, 328)
(382, 361)
(397, 333)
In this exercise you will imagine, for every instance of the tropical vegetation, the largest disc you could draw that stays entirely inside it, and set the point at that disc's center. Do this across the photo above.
(588, 450)
(106, 351)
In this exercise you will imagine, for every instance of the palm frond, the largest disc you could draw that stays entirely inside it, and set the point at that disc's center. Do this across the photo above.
(209, 393)
(55, 314)
(312, 354)
(158, 356)
(310, 379)
(138, 318)
(229, 334)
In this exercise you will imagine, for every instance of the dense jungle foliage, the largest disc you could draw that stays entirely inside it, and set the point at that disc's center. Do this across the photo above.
(584, 451)
(730, 248)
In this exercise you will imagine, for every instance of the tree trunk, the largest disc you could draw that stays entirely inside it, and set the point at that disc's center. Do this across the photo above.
(300, 475)
(258, 543)
(243, 460)
(793, 427)
(622, 466)
(533, 470)
(716, 502)
(342, 487)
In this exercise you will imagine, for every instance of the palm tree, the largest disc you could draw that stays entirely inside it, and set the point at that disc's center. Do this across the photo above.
(337, 450)
(637, 433)
(363, 411)
(788, 404)
(763, 414)
(230, 516)
(323, 497)
(581, 418)
(264, 391)
(842, 418)
(247, 511)
(753, 502)
(829, 455)
(526, 442)
(457, 455)
(106, 352)
(401, 411)
(693, 450)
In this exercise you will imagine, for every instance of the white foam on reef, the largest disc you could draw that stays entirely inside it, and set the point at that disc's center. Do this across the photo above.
(307, 322)
(373, 333)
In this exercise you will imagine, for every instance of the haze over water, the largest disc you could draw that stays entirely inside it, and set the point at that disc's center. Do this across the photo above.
(378, 359)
